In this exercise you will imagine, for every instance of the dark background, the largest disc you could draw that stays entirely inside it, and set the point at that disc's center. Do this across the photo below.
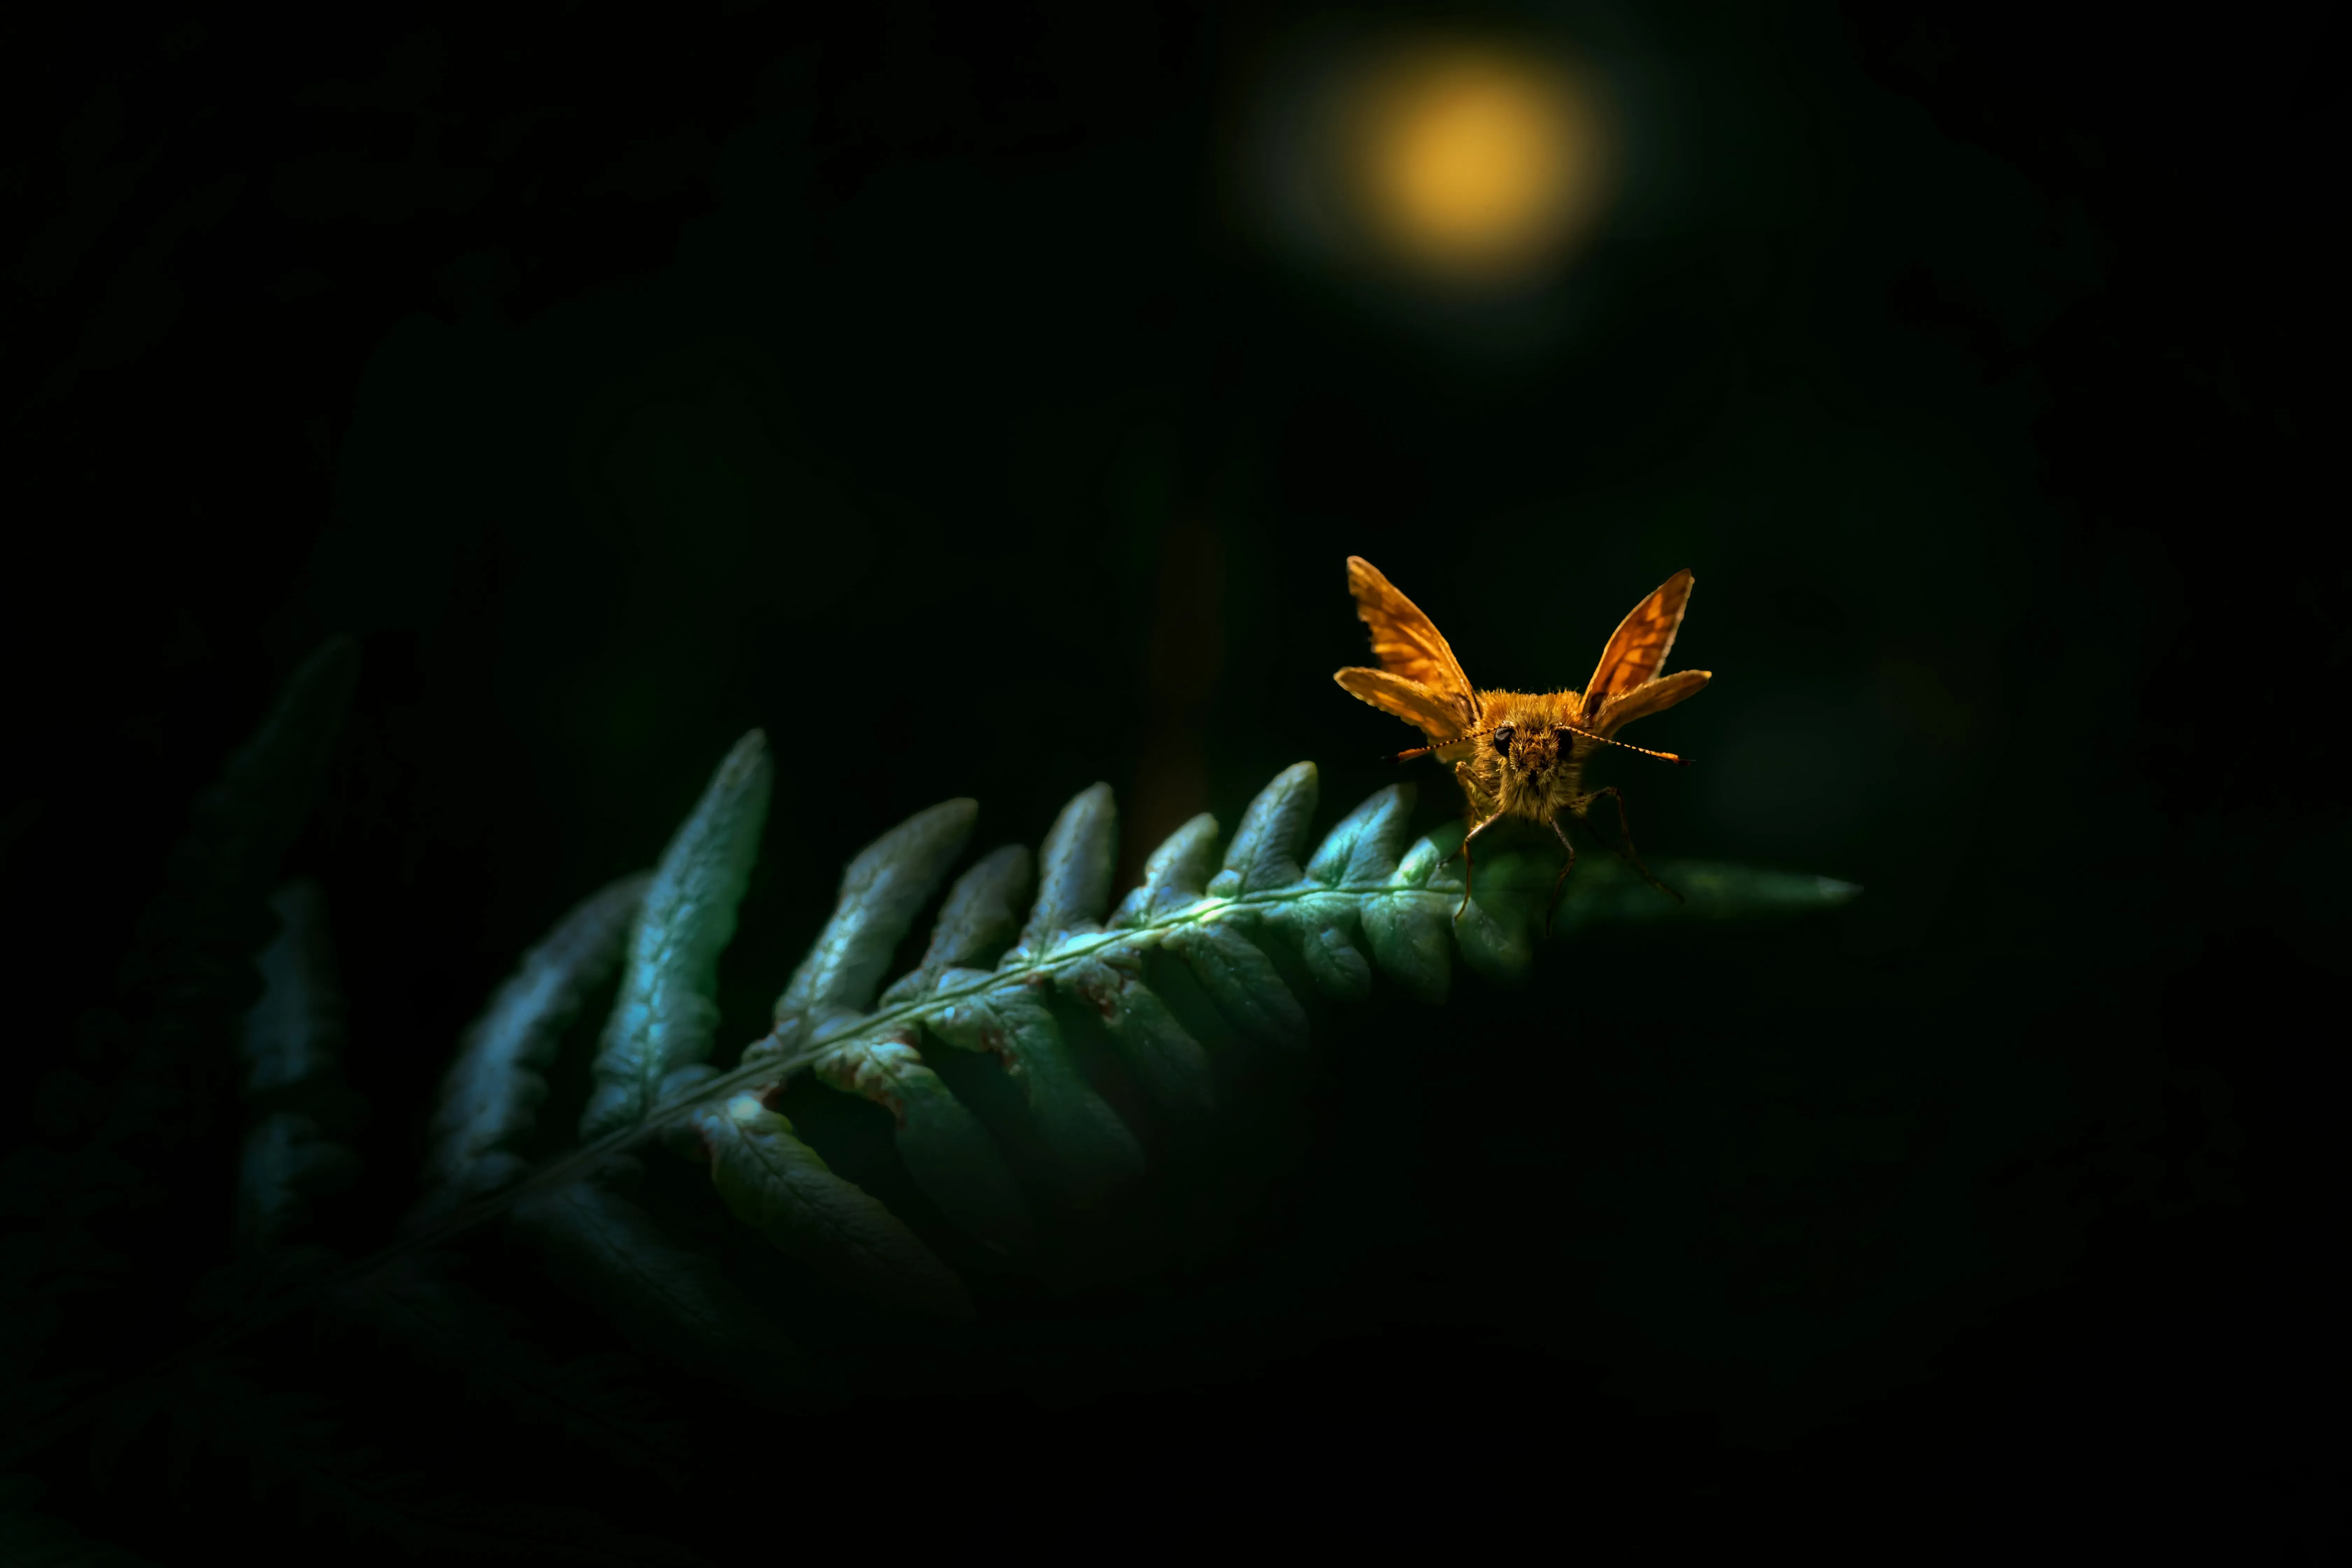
(915, 386)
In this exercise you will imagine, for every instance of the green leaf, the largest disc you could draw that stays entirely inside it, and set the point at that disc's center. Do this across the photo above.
(949, 1153)
(1174, 878)
(1264, 854)
(1410, 925)
(1713, 893)
(1241, 980)
(1011, 1021)
(666, 1016)
(1334, 960)
(1362, 850)
(1074, 869)
(1159, 1049)
(294, 1034)
(946, 1149)
(491, 1097)
(781, 1187)
(294, 1154)
(977, 918)
(289, 1164)
(882, 888)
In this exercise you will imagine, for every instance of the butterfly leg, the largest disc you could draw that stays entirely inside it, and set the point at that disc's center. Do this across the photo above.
(1463, 849)
(1625, 830)
(1562, 834)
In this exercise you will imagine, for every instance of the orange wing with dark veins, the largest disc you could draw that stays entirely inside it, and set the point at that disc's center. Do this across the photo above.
(1409, 699)
(1408, 645)
(1643, 639)
(1650, 697)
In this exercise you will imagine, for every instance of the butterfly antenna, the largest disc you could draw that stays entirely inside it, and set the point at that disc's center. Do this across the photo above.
(1427, 751)
(1668, 756)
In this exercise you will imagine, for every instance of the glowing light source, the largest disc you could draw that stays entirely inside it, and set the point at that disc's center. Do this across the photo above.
(1467, 164)
(1472, 162)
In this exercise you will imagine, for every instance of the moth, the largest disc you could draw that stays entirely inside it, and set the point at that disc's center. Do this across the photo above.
(1517, 754)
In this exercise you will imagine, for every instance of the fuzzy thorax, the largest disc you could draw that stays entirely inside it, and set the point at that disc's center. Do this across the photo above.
(1531, 759)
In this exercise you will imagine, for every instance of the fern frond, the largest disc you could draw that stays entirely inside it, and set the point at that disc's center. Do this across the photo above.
(993, 979)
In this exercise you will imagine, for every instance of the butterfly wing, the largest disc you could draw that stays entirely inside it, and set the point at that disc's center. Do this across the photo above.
(1638, 649)
(1650, 697)
(1409, 699)
(1408, 645)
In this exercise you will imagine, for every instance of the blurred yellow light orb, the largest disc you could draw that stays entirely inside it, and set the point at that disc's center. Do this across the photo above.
(1473, 162)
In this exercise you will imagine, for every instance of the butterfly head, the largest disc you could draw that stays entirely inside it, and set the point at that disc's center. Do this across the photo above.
(1525, 751)
(1529, 752)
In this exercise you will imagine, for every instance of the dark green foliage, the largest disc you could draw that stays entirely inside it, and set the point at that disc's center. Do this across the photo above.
(489, 1102)
(1216, 951)
(295, 1157)
(104, 1220)
(1232, 921)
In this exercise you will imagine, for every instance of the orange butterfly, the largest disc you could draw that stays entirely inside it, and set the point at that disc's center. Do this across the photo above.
(1517, 754)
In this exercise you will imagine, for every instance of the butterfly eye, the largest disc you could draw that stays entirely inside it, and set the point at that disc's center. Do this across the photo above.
(1503, 739)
